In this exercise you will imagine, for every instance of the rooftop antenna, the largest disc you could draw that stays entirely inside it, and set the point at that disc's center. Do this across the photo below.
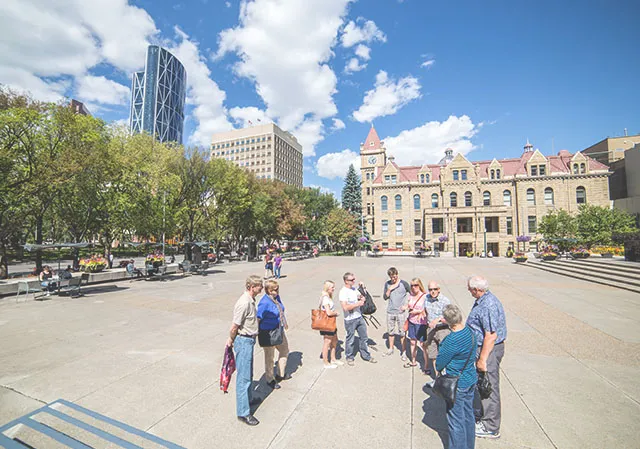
(625, 132)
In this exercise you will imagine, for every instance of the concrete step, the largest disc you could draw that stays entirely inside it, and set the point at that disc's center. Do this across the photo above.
(624, 283)
(615, 268)
(619, 265)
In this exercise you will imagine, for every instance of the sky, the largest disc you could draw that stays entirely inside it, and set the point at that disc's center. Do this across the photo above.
(478, 77)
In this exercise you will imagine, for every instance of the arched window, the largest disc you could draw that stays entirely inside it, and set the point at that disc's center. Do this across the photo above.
(582, 168)
(383, 203)
(575, 169)
(467, 199)
(422, 178)
(531, 197)
(548, 196)
(493, 174)
(498, 173)
(398, 199)
(434, 200)
(426, 177)
(486, 198)
(506, 198)
(453, 199)
(581, 195)
(416, 202)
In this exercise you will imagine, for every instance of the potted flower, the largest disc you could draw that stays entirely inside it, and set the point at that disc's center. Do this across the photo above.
(93, 264)
(520, 257)
(510, 252)
(156, 260)
(469, 254)
(580, 253)
(548, 255)
(443, 238)
(607, 251)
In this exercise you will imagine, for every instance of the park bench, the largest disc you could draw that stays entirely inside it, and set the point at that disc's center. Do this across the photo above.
(201, 268)
(24, 287)
(155, 273)
(71, 286)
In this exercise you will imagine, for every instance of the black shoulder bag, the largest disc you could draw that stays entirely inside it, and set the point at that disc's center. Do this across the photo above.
(446, 385)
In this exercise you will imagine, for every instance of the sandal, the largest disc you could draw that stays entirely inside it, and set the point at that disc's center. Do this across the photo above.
(409, 365)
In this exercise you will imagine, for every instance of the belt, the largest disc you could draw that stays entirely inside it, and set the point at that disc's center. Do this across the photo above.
(502, 342)
(253, 337)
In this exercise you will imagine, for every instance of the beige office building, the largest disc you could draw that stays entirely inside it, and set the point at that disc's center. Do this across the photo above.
(611, 149)
(475, 204)
(264, 150)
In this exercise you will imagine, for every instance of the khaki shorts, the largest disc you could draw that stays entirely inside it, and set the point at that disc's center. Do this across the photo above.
(395, 323)
(434, 338)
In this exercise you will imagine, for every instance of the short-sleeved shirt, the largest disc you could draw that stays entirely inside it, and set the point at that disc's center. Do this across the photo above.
(487, 315)
(269, 313)
(327, 301)
(350, 297)
(417, 303)
(435, 306)
(397, 298)
(245, 315)
(278, 260)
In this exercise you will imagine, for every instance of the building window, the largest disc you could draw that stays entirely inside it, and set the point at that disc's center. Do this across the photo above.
(464, 175)
(542, 169)
(453, 199)
(491, 224)
(456, 175)
(385, 245)
(417, 227)
(434, 200)
(393, 179)
(493, 174)
(437, 226)
(368, 190)
(534, 170)
(387, 179)
(383, 203)
(506, 198)
(398, 228)
(367, 176)
(582, 168)
(548, 196)
(486, 198)
(398, 199)
(426, 178)
(422, 179)
(416, 202)
(575, 169)
(509, 225)
(385, 228)
(465, 225)
(531, 197)
(399, 246)
(532, 224)
(468, 199)
(581, 195)
(368, 208)
(498, 173)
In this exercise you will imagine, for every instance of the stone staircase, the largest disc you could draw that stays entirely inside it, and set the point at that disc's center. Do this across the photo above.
(614, 273)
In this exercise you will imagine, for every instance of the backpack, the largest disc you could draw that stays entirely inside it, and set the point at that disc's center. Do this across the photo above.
(369, 307)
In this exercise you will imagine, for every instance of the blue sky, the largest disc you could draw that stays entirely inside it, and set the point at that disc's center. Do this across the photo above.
(480, 77)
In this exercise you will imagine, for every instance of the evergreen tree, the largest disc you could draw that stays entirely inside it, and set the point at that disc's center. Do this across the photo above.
(352, 192)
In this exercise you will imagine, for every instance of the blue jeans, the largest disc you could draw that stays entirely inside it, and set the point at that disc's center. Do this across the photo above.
(461, 421)
(276, 271)
(353, 326)
(243, 347)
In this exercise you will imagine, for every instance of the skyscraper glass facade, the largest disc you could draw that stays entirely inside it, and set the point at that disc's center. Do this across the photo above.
(158, 96)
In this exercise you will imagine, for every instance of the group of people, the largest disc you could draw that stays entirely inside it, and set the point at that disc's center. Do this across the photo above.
(272, 265)
(49, 282)
(427, 317)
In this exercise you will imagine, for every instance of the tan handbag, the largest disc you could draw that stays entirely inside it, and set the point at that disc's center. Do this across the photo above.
(320, 321)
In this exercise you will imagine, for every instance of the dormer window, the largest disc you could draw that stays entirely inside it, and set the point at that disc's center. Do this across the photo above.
(422, 178)
(493, 174)
(370, 144)
(534, 170)
(575, 169)
(456, 175)
(542, 169)
(582, 168)
(393, 179)
(498, 174)
(426, 177)
(464, 175)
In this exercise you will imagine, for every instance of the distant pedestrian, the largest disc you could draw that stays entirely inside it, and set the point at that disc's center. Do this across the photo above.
(271, 317)
(437, 330)
(396, 292)
(488, 321)
(277, 265)
(268, 265)
(242, 336)
(330, 337)
(351, 302)
(110, 260)
(417, 322)
(455, 350)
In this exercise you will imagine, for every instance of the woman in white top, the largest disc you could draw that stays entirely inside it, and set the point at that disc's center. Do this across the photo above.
(330, 338)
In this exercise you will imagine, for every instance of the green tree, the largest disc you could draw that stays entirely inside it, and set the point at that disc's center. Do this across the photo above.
(341, 228)
(352, 192)
(558, 227)
(597, 224)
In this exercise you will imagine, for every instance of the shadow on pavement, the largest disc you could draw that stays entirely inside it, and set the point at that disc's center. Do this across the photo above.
(435, 415)
(93, 289)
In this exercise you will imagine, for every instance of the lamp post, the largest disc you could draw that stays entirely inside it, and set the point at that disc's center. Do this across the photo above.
(164, 205)
(455, 250)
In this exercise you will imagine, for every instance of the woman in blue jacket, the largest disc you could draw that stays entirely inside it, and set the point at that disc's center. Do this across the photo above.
(272, 321)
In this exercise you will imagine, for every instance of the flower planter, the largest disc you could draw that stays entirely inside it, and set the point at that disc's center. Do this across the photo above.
(580, 255)
(549, 257)
(157, 264)
(606, 255)
(520, 259)
(95, 269)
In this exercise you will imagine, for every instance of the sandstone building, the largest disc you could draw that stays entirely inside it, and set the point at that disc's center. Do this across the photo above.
(265, 150)
(472, 202)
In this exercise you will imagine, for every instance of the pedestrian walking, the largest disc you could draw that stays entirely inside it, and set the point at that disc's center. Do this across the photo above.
(268, 265)
(277, 265)
(272, 325)
(488, 322)
(242, 337)
(351, 302)
(396, 292)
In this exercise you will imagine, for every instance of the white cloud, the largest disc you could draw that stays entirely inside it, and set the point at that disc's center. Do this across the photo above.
(284, 47)
(335, 165)
(387, 97)
(428, 63)
(242, 116)
(227, 4)
(338, 124)
(354, 66)
(353, 34)
(363, 52)
(203, 92)
(426, 143)
(102, 90)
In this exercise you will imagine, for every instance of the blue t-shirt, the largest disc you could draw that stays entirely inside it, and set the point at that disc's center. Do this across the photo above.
(268, 312)
(453, 353)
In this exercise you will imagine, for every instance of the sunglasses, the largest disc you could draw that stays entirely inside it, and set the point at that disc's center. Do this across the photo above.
(351, 280)
(434, 289)
(415, 285)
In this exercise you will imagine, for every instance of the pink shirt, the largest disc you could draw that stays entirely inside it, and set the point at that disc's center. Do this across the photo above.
(417, 303)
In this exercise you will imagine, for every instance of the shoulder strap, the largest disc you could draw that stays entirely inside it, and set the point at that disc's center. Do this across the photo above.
(473, 349)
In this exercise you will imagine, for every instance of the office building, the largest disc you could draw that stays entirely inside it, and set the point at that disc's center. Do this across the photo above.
(158, 96)
(265, 150)
(468, 203)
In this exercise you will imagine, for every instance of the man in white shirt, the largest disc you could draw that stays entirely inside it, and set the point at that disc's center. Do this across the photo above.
(351, 302)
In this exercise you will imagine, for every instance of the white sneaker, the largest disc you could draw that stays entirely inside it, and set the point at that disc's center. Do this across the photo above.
(330, 366)
(337, 362)
(404, 357)
(387, 353)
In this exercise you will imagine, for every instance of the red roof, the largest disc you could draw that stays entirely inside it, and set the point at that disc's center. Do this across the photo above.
(372, 138)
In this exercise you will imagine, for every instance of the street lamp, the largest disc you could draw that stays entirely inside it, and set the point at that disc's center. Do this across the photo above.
(164, 205)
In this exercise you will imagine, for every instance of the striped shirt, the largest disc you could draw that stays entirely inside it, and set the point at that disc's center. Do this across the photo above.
(452, 354)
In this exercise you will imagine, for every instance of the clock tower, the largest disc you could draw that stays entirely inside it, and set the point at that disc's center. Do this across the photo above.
(373, 157)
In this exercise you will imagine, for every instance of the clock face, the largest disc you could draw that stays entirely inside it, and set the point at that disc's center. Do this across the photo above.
(372, 160)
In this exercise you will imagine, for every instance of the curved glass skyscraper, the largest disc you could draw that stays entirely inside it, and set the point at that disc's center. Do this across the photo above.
(158, 96)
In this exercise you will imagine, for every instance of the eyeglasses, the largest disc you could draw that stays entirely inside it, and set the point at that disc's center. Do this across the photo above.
(434, 289)
(351, 280)
(415, 285)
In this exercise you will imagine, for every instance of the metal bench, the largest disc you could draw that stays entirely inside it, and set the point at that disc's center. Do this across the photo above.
(24, 287)
(71, 286)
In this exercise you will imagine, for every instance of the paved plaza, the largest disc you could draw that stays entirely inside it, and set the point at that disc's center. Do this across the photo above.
(149, 354)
